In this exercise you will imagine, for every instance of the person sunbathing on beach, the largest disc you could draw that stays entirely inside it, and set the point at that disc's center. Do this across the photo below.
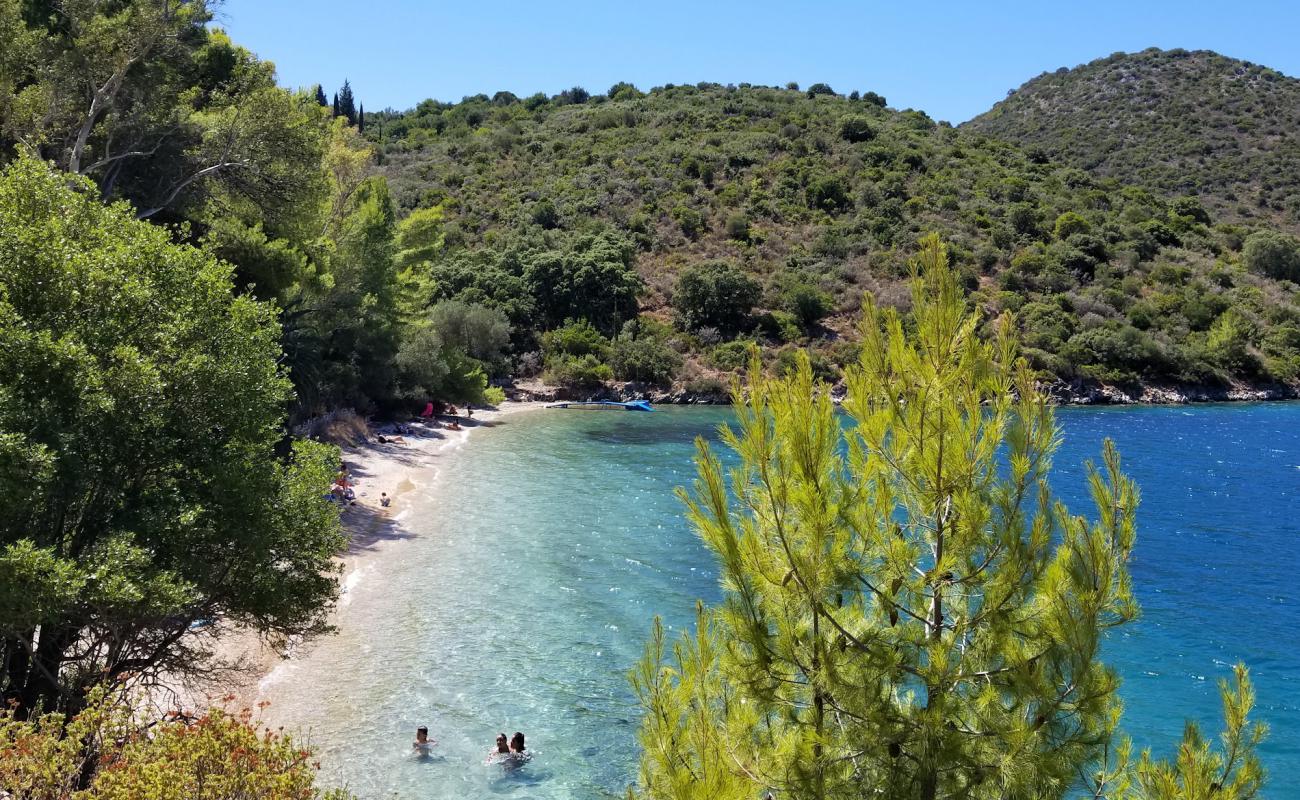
(453, 425)
(422, 741)
(390, 439)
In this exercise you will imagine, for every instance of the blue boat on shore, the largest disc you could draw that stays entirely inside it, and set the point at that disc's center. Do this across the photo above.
(605, 405)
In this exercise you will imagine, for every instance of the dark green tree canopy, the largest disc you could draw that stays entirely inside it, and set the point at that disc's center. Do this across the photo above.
(141, 405)
(717, 295)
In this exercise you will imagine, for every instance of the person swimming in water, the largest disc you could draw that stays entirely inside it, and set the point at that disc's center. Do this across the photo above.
(422, 741)
(517, 743)
(499, 753)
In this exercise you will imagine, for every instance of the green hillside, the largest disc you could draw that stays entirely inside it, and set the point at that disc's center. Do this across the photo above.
(816, 198)
(1182, 122)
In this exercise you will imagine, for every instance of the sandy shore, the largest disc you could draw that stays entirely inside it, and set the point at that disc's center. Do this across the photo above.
(397, 469)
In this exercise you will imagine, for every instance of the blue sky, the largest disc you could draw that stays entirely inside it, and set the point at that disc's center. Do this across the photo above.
(951, 59)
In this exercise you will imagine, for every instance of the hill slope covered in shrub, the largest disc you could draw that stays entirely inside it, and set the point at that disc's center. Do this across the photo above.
(725, 214)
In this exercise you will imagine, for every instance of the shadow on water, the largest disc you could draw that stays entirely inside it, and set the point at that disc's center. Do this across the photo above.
(371, 527)
(677, 433)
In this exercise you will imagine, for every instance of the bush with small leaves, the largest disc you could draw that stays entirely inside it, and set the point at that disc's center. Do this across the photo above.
(856, 128)
(1274, 255)
(715, 294)
(644, 358)
(689, 220)
(737, 227)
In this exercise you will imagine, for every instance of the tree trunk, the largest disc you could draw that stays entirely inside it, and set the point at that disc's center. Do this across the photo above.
(42, 688)
(15, 667)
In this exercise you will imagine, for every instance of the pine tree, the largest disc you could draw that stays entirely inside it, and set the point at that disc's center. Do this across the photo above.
(908, 613)
(320, 96)
(347, 103)
(361, 117)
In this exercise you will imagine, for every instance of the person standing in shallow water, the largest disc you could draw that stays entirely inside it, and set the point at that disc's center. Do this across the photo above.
(517, 744)
(422, 741)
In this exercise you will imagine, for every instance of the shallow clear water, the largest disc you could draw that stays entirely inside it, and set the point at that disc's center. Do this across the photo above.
(545, 550)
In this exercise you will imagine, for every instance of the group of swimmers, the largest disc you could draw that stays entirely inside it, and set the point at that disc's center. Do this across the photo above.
(510, 752)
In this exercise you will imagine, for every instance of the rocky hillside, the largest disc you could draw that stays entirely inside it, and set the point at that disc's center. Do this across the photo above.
(1181, 122)
(816, 198)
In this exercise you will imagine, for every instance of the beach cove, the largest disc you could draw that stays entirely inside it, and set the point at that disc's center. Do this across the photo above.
(515, 585)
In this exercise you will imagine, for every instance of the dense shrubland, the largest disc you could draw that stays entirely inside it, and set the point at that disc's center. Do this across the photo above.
(764, 214)
(1176, 121)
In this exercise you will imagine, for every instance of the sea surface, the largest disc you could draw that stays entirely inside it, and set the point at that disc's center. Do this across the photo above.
(543, 551)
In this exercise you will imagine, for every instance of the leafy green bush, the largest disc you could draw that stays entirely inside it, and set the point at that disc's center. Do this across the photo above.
(781, 326)
(575, 338)
(828, 193)
(737, 227)
(856, 128)
(807, 303)
(1069, 224)
(1275, 255)
(480, 332)
(645, 358)
(731, 356)
(545, 214)
(715, 294)
(580, 372)
(706, 386)
(689, 220)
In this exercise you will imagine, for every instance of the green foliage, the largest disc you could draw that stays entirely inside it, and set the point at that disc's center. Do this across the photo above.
(593, 279)
(690, 221)
(737, 227)
(479, 332)
(578, 338)
(900, 611)
(581, 372)
(805, 301)
(644, 358)
(1275, 255)
(1198, 771)
(141, 406)
(1069, 224)
(780, 326)
(731, 356)
(828, 193)
(1171, 120)
(102, 753)
(715, 294)
(766, 178)
(420, 237)
(545, 215)
(856, 128)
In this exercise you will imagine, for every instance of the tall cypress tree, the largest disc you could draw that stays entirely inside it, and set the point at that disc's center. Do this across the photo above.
(347, 104)
(320, 96)
(361, 117)
(907, 613)
(336, 104)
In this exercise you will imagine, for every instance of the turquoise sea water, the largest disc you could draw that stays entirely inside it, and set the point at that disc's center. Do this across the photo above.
(536, 566)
